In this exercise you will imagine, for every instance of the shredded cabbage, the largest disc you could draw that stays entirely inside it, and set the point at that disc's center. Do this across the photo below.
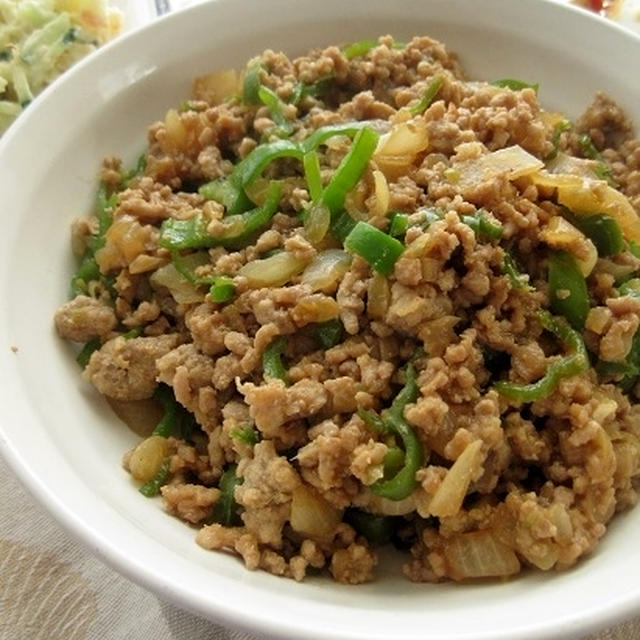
(39, 39)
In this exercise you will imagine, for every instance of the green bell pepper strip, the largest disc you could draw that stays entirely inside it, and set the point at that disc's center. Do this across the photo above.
(482, 227)
(574, 363)
(515, 85)
(84, 355)
(328, 334)
(284, 127)
(311, 164)
(342, 225)
(152, 487)
(380, 250)
(602, 230)
(392, 421)
(137, 171)
(224, 191)
(589, 150)
(560, 128)
(176, 421)
(510, 268)
(358, 49)
(231, 191)
(272, 365)
(316, 89)
(350, 170)
(429, 96)
(88, 268)
(321, 135)
(251, 84)
(225, 511)
(630, 287)
(222, 289)
(568, 295)
(248, 435)
(399, 224)
(192, 233)
(167, 425)
(376, 529)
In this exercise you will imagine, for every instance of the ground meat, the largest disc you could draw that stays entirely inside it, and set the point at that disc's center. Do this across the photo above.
(273, 404)
(190, 502)
(431, 387)
(265, 494)
(126, 369)
(353, 565)
(84, 318)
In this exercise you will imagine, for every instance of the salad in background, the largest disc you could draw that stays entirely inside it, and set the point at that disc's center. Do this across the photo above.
(39, 39)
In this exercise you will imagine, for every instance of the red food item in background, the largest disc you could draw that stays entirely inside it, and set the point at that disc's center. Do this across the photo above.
(596, 5)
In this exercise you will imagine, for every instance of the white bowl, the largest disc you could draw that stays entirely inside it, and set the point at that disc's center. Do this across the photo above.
(64, 443)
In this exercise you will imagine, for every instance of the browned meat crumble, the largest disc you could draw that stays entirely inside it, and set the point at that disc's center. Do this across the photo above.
(287, 470)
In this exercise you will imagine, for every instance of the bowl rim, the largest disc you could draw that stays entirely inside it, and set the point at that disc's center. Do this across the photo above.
(232, 614)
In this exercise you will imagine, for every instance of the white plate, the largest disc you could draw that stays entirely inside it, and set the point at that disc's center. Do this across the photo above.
(64, 443)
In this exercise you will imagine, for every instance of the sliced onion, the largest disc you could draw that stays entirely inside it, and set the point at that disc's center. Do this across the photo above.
(381, 192)
(214, 88)
(326, 269)
(479, 554)
(183, 291)
(564, 163)
(404, 139)
(448, 498)
(317, 223)
(312, 515)
(586, 196)
(378, 296)
(561, 234)
(513, 162)
(273, 271)
(398, 149)
(176, 132)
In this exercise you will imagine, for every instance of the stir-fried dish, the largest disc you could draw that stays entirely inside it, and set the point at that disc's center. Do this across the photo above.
(364, 301)
(39, 39)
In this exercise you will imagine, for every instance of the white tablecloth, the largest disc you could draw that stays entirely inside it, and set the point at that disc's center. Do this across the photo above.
(52, 588)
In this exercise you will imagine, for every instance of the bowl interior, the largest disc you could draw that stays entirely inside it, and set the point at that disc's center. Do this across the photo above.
(63, 440)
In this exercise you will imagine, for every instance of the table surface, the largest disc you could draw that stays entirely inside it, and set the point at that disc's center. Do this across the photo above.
(52, 588)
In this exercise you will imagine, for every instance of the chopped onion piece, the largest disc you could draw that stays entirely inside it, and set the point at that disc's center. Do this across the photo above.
(586, 196)
(479, 554)
(564, 163)
(448, 498)
(596, 196)
(317, 223)
(381, 191)
(214, 88)
(273, 271)
(312, 515)
(514, 162)
(183, 291)
(378, 296)
(398, 149)
(326, 269)
(561, 234)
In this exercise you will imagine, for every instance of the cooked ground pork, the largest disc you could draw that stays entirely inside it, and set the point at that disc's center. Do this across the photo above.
(374, 318)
